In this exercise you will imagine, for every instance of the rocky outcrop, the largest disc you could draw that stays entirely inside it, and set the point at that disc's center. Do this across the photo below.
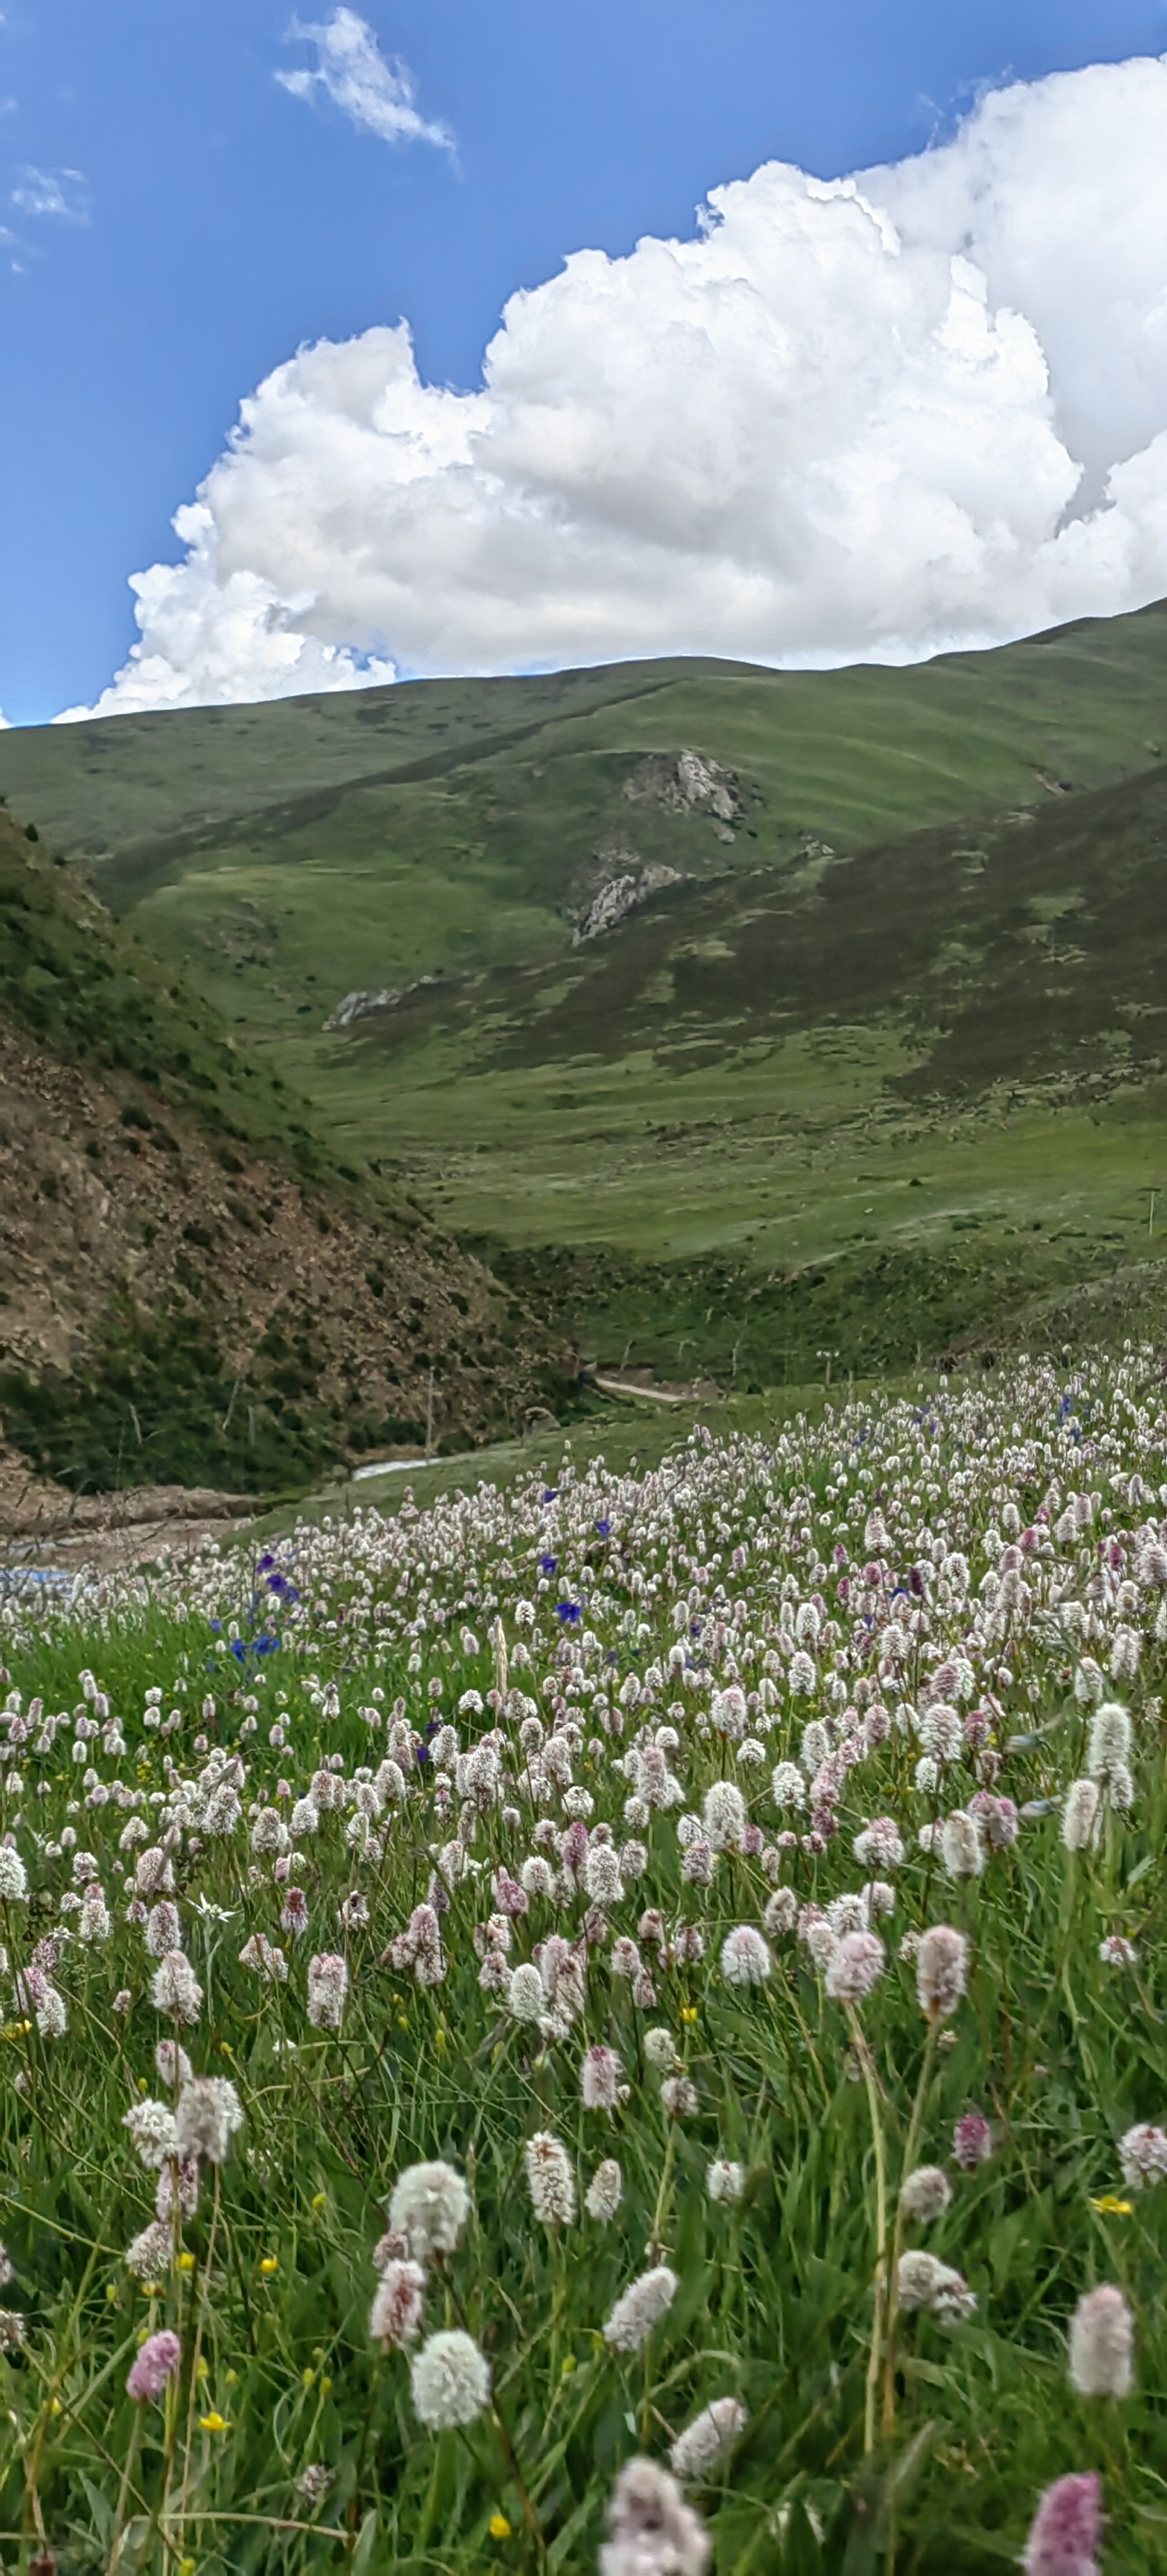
(620, 895)
(360, 1006)
(687, 784)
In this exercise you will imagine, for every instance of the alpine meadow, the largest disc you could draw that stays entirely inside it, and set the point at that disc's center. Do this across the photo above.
(624, 2004)
(732, 1016)
(594, 2001)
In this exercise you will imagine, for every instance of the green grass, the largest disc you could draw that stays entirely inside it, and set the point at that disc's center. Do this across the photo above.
(268, 2283)
(912, 1015)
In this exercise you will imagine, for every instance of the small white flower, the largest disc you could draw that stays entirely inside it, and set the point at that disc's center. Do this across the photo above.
(605, 2191)
(745, 1956)
(640, 2308)
(449, 2381)
(430, 2205)
(705, 2442)
(550, 2179)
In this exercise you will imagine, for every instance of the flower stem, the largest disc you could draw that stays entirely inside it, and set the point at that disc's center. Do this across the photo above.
(871, 2083)
(910, 2151)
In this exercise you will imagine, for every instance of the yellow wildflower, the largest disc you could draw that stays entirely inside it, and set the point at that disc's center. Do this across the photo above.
(270, 2263)
(184, 2262)
(689, 2012)
(1110, 2207)
(214, 2422)
(499, 2527)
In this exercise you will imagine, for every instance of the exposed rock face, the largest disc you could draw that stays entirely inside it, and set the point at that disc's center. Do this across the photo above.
(687, 785)
(622, 895)
(358, 1006)
(365, 1006)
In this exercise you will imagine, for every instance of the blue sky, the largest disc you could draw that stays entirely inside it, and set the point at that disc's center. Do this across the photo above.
(174, 222)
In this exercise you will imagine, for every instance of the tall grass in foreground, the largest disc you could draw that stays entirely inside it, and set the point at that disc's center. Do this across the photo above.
(741, 1887)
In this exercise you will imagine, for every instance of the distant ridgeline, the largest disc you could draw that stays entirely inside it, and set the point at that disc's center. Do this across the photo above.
(749, 1023)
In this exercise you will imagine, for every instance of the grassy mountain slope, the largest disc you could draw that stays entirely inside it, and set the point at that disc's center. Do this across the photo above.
(189, 1287)
(885, 1064)
(845, 754)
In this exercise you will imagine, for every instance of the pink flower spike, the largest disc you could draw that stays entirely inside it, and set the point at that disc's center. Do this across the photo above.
(154, 2365)
(972, 2141)
(1066, 2527)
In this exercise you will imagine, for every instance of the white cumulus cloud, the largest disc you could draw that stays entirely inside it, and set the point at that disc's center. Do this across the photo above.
(351, 70)
(869, 418)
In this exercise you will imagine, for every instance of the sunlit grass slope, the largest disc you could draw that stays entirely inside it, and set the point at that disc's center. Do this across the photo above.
(888, 1058)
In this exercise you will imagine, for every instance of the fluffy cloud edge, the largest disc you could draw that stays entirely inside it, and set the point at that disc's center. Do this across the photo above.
(865, 419)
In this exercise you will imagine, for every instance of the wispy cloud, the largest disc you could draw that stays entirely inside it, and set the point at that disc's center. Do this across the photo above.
(378, 94)
(63, 194)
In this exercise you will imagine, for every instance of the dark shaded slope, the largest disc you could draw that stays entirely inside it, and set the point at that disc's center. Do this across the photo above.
(1039, 949)
(190, 1289)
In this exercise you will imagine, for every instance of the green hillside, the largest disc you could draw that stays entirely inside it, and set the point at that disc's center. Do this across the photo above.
(193, 1285)
(881, 1064)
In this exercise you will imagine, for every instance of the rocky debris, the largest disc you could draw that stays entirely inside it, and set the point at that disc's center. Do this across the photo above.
(688, 784)
(358, 1006)
(620, 895)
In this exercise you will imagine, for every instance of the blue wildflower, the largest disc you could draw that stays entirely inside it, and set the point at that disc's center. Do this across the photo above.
(604, 1528)
(569, 1612)
(548, 1565)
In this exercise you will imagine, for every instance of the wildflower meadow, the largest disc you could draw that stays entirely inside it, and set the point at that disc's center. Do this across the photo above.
(614, 2024)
